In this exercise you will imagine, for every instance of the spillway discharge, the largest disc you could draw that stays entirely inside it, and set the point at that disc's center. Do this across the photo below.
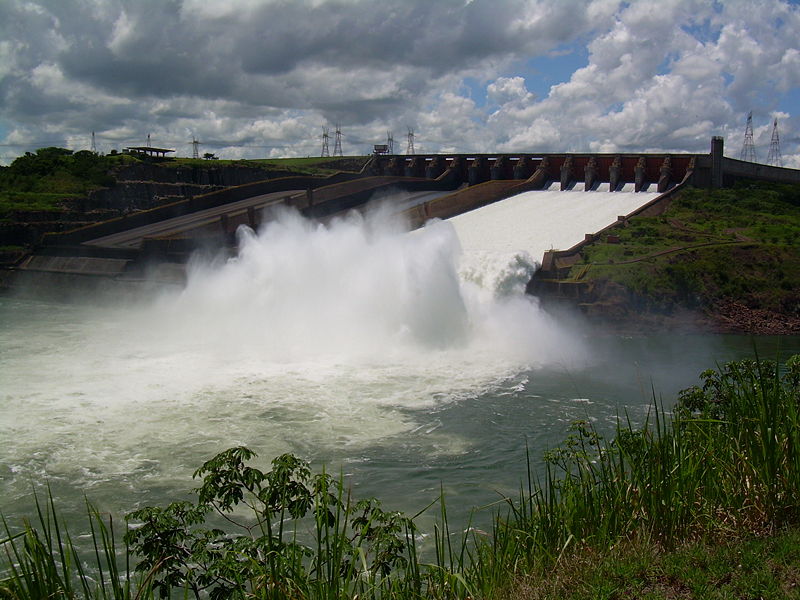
(363, 288)
(338, 342)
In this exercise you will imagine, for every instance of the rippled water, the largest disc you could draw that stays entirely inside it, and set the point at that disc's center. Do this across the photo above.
(404, 360)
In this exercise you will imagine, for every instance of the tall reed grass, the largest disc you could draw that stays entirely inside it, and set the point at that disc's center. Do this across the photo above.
(726, 460)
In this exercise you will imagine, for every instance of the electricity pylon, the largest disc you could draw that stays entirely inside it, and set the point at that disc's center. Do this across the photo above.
(748, 148)
(774, 157)
(337, 145)
(325, 137)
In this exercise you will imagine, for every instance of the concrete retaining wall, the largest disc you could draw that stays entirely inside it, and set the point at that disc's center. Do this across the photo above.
(734, 170)
(183, 207)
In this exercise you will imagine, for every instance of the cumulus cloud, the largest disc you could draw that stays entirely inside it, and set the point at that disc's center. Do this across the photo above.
(261, 77)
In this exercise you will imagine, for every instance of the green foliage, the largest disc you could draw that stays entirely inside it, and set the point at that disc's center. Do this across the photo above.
(726, 461)
(740, 243)
(43, 562)
(712, 568)
(352, 547)
(723, 465)
(41, 180)
(316, 166)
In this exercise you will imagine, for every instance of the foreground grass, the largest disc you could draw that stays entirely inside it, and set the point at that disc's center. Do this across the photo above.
(765, 567)
(703, 501)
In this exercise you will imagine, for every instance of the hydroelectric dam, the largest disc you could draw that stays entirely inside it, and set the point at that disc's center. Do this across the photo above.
(410, 362)
(155, 245)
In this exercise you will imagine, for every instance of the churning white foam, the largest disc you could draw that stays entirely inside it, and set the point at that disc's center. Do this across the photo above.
(360, 289)
(321, 339)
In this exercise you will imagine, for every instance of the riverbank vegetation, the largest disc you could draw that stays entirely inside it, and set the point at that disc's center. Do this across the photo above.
(730, 255)
(705, 496)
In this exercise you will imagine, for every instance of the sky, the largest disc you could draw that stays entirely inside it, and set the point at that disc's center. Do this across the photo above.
(262, 78)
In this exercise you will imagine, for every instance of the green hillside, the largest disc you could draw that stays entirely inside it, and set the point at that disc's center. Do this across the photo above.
(709, 251)
(43, 180)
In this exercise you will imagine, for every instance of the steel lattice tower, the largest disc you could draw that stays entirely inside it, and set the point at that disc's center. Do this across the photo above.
(774, 157)
(195, 148)
(94, 145)
(389, 142)
(410, 147)
(325, 137)
(337, 144)
(148, 140)
(748, 148)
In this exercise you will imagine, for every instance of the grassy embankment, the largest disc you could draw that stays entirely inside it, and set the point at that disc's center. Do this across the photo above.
(700, 502)
(49, 186)
(49, 180)
(46, 179)
(314, 165)
(710, 247)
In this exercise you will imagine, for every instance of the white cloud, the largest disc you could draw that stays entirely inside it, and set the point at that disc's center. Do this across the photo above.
(262, 76)
(508, 89)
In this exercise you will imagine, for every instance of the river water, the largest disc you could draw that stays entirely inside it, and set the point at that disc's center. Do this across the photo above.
(408, 362)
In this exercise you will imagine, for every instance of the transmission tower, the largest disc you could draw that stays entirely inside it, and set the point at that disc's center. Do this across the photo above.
(94, 145)
(148, 140)
(325, 136)
(389, 142)
(337, 145)
(410, 147)
(774, 157)
(748, 148)
(195, 148)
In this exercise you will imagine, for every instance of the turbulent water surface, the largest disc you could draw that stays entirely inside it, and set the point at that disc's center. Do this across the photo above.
(407, 361)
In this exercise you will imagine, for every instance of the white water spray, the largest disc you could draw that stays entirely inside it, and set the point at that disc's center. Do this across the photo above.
(322, 340)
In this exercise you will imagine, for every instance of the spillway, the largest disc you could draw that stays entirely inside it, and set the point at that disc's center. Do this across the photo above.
(513, 234)
(535, 222)
(406, 361)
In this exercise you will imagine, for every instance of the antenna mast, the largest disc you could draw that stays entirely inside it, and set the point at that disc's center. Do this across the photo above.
(389, 142)
(337, 145)
(94, 145)
(148, 140)
(748, 148)
(410, 147)
(774, 157)
(325, 136)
